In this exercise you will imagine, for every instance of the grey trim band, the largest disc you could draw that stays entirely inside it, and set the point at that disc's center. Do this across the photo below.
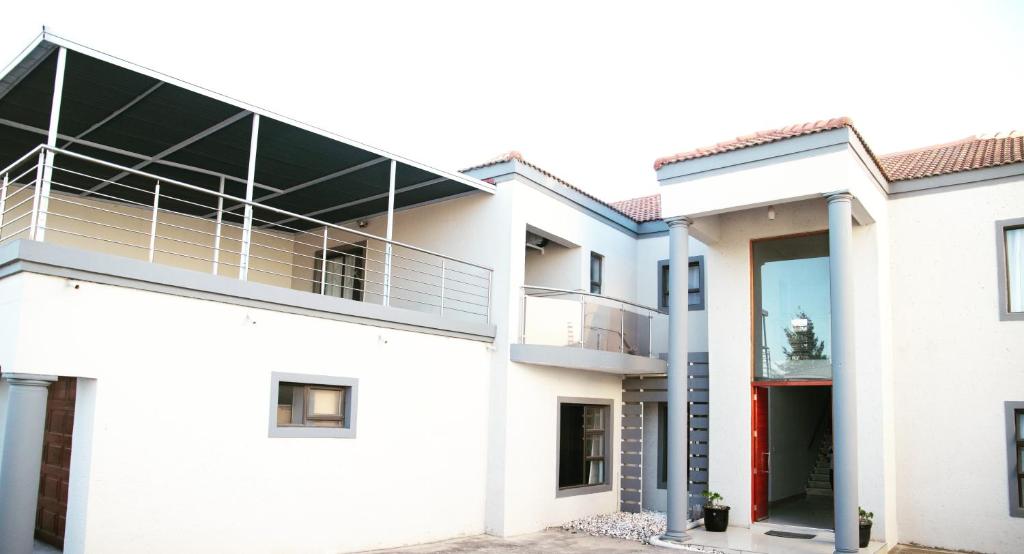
(615, 363)
(74, 263)
(351, 407)
(1003, 270)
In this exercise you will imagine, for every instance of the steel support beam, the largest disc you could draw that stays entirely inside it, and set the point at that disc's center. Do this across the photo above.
(243, 266)
(678, 380)
(389, 234)
(844, 377)
(113, 115)
(51, 141)
(181, 145)
(387, 194)
(130, 154)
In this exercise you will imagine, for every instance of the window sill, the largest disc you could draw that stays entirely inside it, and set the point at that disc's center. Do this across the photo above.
(301, 432)
(583, 489)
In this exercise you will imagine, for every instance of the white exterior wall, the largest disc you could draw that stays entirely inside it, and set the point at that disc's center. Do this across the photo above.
(956, 363)
(179, 425)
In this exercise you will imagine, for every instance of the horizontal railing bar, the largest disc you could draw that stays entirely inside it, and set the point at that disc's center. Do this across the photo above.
(594, 295)
(8, 222)
(19, 204)
(109, 226)
(31, 168)
(165, 180)
(18, 232)
(20, 160)
(31, 183)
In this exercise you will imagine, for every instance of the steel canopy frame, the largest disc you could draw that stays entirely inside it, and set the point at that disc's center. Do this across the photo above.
(59, 41)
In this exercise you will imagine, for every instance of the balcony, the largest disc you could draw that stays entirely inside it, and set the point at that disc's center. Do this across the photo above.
(581, 330)
(130, 217)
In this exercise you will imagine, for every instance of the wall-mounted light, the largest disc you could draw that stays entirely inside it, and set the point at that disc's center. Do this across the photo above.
(362, 223)
(771, 213)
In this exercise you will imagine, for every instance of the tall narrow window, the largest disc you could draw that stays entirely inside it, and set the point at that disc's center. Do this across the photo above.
(1011, 262)
(583, 446)
(792, 308)
(1015, 459)
(694, 281)
(596, 269)
(343, 276)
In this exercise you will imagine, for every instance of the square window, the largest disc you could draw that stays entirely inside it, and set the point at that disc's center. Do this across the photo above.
(583, 446)
(313, 406)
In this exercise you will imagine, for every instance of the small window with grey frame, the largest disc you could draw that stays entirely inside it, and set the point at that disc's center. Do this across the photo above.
(1010, 237)
(1015, 459)
(312, 405)
(694, 282)
(583, 446)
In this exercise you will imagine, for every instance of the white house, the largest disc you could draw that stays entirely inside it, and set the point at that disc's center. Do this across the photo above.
(224, 330)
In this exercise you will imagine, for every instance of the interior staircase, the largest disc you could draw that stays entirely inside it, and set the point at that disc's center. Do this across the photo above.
(820, 480)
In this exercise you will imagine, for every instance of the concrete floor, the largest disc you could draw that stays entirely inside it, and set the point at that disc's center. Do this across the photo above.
(555, 541)
(736, 540)
(810, 511)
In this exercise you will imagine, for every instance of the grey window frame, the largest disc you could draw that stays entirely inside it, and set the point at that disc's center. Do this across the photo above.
(348, 384)
(357, 249)
(600, 273)
(694, 260)
(662, 445)
(608, 405)
(1003, 269)
(1013, 469)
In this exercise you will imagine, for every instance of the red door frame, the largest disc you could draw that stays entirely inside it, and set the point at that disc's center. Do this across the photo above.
(759, 441)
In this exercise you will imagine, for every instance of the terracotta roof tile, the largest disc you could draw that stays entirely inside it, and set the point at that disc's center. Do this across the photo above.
(754, 139)
(644, 208)
(515, 155)
(975, 152)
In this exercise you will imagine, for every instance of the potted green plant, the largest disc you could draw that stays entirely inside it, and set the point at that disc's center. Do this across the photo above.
(716, 514)
(865, 526)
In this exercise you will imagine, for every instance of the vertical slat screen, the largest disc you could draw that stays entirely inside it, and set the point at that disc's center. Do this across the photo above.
(638, 390)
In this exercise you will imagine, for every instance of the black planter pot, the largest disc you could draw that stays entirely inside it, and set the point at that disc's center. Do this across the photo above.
(865, 534)
(716, 519)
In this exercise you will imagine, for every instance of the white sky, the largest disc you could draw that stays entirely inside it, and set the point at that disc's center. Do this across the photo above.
(592, 92)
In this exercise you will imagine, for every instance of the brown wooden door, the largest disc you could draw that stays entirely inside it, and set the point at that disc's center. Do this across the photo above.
(759, 453)
(52, 507)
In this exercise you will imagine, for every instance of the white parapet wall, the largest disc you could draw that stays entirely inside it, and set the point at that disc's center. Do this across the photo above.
(172, 452)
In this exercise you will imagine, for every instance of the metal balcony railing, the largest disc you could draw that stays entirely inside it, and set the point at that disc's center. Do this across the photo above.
(559, 317)
(102, 206)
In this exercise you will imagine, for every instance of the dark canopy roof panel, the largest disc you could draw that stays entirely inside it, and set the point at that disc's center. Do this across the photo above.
(131, 116)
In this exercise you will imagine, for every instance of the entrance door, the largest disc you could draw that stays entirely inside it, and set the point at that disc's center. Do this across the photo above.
(759, 463)
(52, 507)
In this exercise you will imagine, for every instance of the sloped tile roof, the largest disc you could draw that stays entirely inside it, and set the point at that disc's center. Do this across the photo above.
(974, 152)
(754, 139)
(515, 155)
(642, 209)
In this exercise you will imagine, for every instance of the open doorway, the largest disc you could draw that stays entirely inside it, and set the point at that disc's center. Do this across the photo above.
(792, 462)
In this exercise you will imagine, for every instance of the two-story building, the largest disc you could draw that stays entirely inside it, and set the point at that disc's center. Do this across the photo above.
(225, 330)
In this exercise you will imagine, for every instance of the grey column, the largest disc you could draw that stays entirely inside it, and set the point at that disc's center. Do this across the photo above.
(844, 378)
(678, 375)
(21, 460)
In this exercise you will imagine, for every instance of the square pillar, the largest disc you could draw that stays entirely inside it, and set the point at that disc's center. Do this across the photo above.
(844, 378)
(21, 460)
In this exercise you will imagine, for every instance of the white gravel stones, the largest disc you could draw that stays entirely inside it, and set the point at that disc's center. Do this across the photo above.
(634, 527)
(621, 525)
